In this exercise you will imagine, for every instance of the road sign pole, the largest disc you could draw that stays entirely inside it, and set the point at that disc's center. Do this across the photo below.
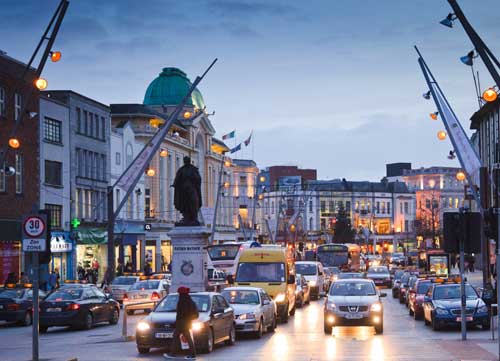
(36, 285)
(463, 303)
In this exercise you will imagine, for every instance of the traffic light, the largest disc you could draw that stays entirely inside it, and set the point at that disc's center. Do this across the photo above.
(46, 257)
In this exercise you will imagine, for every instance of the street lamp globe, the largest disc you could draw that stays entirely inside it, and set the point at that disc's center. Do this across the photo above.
(490, 95)
(150, 172)
(155, 122)
(226, 184)
(55, 56)
(292, 228)
(441, 135)
(163, 153)
(187, 114)
(262, 179)
(41, 83)
(460, 176)
(227, 163)
(14, 143)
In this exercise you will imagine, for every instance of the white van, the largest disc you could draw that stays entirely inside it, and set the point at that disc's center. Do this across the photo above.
(314, 275)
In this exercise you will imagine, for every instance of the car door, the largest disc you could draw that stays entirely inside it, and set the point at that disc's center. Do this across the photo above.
(97, 305)
(227, 317)
(217, 319)
(104, 305)
(427, 305)
(267, 308)
(321, 278)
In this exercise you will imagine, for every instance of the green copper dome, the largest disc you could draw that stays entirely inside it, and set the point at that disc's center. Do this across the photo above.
(170, 87)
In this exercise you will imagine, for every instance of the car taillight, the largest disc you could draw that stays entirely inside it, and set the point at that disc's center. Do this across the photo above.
(125, 297)
(155, 296)
(73, 307)
(13, 307)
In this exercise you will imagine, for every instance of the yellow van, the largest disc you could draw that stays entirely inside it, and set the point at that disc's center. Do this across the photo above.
(272, 269)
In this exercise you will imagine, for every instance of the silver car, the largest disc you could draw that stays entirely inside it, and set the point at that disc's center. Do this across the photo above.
(354, 302)
(144, 295)
(254, 310)
(121, 285)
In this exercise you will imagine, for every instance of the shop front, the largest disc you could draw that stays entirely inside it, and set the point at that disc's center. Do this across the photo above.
(10, 249)
(129, 237)
(62, 248)
(91, 252)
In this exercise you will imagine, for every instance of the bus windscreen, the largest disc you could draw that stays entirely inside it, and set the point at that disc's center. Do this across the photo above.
(223, 252)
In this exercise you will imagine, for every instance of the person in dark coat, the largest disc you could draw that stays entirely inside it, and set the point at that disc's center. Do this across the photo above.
(187, 195)
(186, 313)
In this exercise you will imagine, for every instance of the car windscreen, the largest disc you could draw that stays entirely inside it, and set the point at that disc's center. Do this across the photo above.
(223, 252)
(397, 255)
(169, 304)
(423, 287)
(260, 272)
(67, 294)
(241, 297)
(412, 281)
(343, 276)
(306, 269)
(352, 289)
(145, 285)
(448, 292)
(398, 274)
(124, 281)
(6, 293)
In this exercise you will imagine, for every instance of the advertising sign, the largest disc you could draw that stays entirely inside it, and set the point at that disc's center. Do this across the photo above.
(439, 264)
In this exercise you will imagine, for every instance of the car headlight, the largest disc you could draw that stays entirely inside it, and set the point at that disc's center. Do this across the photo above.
(297, 291)
(280, 297)
(143, 326)
(441, 311)
(376, 307)
(196, 326)
(247, 316)
(482, 309)
(312, 283)
(331, 306)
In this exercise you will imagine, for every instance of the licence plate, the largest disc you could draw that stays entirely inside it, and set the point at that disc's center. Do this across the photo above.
(354, 316)
(468, 318)
(54, 309)
(164, 334)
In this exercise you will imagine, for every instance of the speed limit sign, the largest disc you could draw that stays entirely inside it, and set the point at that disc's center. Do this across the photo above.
(34, 226)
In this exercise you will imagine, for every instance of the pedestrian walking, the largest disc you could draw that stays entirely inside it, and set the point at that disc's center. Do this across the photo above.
(472, 261)
(120, 269)
(107, 279)
(453, 260)
(148, 271)
(186, 313)
(53, 280)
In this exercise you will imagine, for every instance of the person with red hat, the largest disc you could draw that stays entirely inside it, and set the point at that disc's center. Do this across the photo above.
(186, 313)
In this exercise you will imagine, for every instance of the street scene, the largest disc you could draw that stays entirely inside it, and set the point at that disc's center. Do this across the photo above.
(249, 180)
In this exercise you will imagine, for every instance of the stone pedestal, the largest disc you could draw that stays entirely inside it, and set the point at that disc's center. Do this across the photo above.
(189, 258)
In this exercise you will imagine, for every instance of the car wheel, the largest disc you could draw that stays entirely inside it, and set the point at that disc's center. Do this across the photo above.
(379, 329)
(114, 317)
(89, 320)
(232, 336)
(143, 350)
(43, 329)
(328, 329)
(27, 319)
(292, 311)
(273, 325)
(260, 332)
(209, 345)
(130, 312)
(435, 324)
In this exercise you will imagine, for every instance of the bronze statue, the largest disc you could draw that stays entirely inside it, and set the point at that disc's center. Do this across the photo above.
(187, 196)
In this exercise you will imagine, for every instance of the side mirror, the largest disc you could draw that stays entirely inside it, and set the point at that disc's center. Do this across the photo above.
(383, 294)
(266, 302)
(218, 310)
(320, 273)
(291, 279)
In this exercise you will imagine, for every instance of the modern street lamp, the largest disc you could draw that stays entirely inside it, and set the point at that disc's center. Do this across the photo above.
(469, 58)
(427, 95)
(434, 115)
(448, 21)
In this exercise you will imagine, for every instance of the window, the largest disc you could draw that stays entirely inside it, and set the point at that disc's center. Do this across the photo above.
(388, 208)
(407, 208)
(2, 178)
(243, 181)
(3, 111)
(91, 125)
(55, 211)
(96, 125)
(323, 206)
(407, 229)
(19, 174)
(52, 130)
(77, 203)
(147, 202)
(117, 158)
(18, 100)
(378, 207)
(117, 198)
(331, 206)
(53, 173)
(348, 206)
(79, 119)
(400, 207)
(85, 122)
(310, 206)
(103, 165)
(103, 128)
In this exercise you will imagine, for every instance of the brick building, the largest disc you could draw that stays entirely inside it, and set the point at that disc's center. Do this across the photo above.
(283, 174)
(19, 193)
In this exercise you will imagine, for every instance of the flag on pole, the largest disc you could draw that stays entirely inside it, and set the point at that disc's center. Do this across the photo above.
(236, 149)
(229, 135)
(247, 141)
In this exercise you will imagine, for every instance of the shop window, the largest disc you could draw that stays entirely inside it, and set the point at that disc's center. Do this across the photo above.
(348, 206)
(55, 211)
(53, 173)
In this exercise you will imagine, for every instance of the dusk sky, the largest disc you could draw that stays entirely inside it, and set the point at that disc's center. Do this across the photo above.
(332, 85)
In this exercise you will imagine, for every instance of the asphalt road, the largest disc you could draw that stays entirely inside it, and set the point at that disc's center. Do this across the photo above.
(302, 338)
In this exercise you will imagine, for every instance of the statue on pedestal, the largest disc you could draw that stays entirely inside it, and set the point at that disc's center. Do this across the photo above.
(187, 196)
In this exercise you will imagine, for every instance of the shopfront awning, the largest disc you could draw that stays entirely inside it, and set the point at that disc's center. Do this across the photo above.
(10, 230)
(88, 235)
(129, 239)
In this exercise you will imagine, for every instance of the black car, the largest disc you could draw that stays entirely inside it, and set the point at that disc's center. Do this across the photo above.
(404, 287)
(215, 323)
(16, 304)
(82, 306)
(396, 282)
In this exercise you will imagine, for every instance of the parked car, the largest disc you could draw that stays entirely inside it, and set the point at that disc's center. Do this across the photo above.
(16, 303)
(215, 323)
(397, 258)
(411, 283)
(121, 285)
(138, 295)
(396, 282)
(82, 306)
(354, 302)
(313, 273)
(442, 305)
(380, 275)
(416, 298)
(403, 286)
(302, 291)
(254, 310)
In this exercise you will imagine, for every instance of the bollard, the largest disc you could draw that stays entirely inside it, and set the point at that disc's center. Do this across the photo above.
(124, 323)
(492, 321)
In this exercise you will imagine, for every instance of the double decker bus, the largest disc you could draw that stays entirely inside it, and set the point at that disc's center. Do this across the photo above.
(339, 255)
